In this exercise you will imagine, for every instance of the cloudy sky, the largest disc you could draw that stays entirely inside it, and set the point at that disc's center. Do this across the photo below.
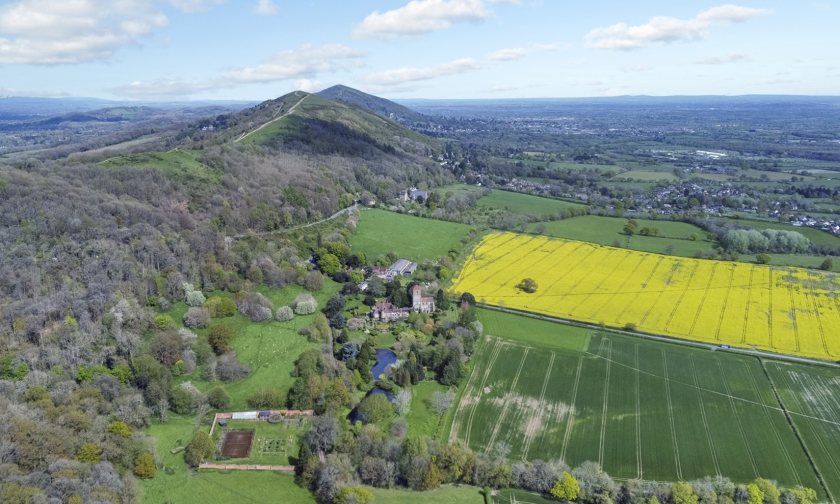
(259, 49)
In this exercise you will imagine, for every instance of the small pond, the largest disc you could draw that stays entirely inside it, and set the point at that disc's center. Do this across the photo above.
(384, 358)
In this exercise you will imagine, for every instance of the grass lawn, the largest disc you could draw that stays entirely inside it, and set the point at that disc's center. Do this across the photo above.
(415, 238)
(449, 494)
(185, 487)
(422, 421)
(608, 230)
(183, 165)
(510, 495)
(642, 409)
(521, 203)
(457, 189)
(269, 348)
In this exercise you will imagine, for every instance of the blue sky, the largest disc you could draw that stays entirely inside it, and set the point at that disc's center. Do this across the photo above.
(259, 49)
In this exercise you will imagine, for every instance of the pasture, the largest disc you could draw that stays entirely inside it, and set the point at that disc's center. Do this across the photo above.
(642, 409)
(527, 204)
(380, 232)
(674, 236)
(783, 310)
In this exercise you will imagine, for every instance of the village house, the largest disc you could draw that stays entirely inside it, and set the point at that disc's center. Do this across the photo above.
(387, 312)
(413, 194)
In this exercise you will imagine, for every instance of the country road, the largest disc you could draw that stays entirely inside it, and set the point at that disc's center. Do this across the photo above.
(243, 136)
(348, 210)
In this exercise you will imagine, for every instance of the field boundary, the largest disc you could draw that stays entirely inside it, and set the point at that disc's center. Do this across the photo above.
(666, 339)
(248, 467)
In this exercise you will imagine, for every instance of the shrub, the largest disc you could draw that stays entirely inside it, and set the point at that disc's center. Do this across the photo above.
(305, 304)
(164, 321)
(144, 466)
(228, 368)
(120, 428)
(200, 447)
(218, 398)
(88, 453)
(827, 265)
(193, 297)
(284, 314)
(762, 258)
(254, 306)
(265, 399)
(219, 338)
(528, 285)
(221, 307)
(196, 318)
(375, 408)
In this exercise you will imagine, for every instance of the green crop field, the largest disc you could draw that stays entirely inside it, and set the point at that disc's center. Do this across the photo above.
(641, 408)
(409, 237)
(525, 203)
(812, 399)
(450, 494)
(609, 230)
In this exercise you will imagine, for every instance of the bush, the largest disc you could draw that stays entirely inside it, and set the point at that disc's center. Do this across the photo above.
(193, 297)
(88, 453)
(305, 304)
(762, 258)
(219, 338)
(375, 408)
(266, 399)
(200, 447)
(196, 318)
(221, 307)
(827, 265)
(284, 314)
(254, 306)
(120, 428)
(228, 368)
(163, 322)
(144, 466)
(528, 285)
(218, 398)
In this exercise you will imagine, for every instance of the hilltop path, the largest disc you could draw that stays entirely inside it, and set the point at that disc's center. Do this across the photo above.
(243, 136)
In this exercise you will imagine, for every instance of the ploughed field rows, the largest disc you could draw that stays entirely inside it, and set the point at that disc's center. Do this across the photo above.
(785, 310)
(642, 409)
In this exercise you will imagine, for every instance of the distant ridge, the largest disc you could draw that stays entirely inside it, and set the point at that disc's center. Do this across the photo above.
(379, 106)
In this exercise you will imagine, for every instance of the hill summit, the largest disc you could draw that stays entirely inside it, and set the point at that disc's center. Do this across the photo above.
(375, 104)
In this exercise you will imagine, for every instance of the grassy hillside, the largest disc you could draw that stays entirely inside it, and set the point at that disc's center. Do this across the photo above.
(181, 165)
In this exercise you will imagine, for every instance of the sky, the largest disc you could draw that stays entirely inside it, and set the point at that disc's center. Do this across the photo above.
(259, 49)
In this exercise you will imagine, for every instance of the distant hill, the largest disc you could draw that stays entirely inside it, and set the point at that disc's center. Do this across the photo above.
(375, 104)
(321, 125)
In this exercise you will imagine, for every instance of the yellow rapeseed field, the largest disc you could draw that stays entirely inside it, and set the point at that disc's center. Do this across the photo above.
(785, 310)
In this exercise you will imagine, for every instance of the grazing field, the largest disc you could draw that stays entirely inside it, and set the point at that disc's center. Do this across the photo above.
(521, 203)
(784, 310)
(812, 398)
(641, 408)
(674, 237)
(647, 175)
(380, 232)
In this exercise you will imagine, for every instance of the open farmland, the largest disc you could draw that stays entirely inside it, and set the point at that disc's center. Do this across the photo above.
(642, 409)
(783, 310)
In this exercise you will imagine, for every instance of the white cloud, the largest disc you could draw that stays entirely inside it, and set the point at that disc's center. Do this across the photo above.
(195, 5)
(266, 8)
(308, 85)
(400, 76)
(304, 63)
(723, 60)
(664, 29)
(513, 53)
(49, 32)
(420, 16)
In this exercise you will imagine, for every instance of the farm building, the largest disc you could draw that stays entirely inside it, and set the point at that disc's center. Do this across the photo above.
(402, 267)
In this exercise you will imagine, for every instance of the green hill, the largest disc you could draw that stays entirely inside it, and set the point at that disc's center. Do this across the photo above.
(375, 104)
